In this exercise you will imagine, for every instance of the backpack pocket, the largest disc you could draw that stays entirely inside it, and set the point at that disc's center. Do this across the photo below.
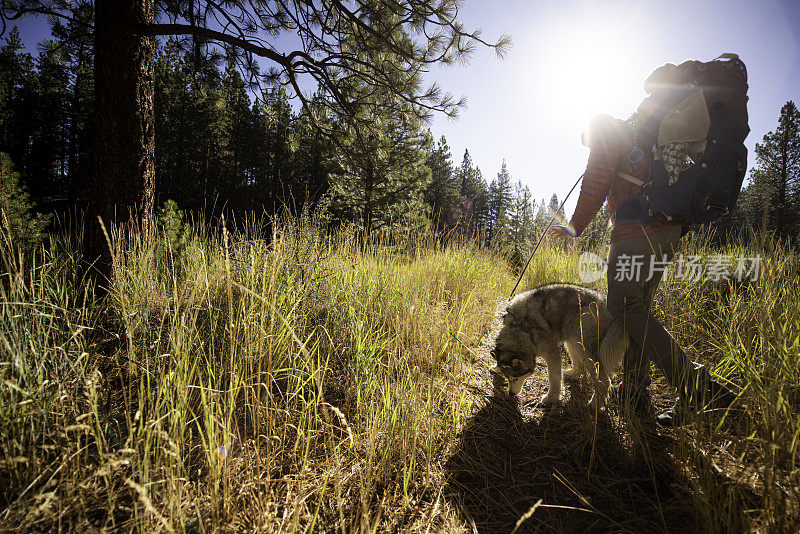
(705, 191)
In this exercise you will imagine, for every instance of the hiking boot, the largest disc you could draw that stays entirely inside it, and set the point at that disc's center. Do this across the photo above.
(716, 397)
(634, 399)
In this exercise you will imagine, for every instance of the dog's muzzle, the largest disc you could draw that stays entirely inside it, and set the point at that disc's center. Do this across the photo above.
(516, 372)
(515, 383)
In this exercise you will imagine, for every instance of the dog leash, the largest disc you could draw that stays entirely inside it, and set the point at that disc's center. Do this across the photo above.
(553, 218)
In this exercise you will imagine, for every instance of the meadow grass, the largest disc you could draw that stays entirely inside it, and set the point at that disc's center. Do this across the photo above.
(313, 380)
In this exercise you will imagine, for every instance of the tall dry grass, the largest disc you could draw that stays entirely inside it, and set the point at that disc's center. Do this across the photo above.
(296, 382)
(312, 380)
(743, 465)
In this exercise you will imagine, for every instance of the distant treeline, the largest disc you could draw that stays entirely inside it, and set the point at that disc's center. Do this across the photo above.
(217, 150)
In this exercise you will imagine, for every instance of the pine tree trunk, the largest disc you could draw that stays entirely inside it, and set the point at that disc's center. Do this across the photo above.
(124, 143)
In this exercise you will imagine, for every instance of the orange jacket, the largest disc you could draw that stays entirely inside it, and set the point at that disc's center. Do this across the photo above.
(613, 152)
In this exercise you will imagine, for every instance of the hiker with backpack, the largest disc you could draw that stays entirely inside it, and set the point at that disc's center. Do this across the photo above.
(677, 161)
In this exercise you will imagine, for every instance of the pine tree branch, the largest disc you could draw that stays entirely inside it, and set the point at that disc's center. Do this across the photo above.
(153, 30)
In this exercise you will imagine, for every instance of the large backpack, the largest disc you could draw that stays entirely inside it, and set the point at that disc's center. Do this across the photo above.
(695, 123)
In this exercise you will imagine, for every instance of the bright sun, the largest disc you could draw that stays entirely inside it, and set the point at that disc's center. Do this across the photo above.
(587, 72)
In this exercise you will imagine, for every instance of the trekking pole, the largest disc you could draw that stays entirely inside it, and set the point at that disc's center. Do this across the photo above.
(553, 218)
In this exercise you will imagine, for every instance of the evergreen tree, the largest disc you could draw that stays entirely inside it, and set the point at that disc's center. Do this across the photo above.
(191, 131)
(543, 216)
(47, 166)
(172, 104)
(382, 173)
(18, 224)
(240, 155)
(75, 38)
(553, 206)
(18, 82)
(474, 197)
(500, 196)
(312, 153)
(276, 114)
(772, 201)
(213, 148)
(594, 236)
(443, 192)
(354, 51)
(522, 216)
(207, 145)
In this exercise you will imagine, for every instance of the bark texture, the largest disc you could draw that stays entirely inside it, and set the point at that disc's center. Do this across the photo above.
(123, 182)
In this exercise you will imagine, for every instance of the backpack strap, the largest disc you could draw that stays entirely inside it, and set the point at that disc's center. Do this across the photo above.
(631, 179)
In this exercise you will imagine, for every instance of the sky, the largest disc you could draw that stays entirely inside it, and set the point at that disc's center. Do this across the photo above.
(573, 59)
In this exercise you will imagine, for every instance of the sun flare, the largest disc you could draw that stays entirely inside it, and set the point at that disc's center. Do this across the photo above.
(587, 72)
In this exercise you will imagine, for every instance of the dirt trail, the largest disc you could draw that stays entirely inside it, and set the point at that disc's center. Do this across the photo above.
(592, 472)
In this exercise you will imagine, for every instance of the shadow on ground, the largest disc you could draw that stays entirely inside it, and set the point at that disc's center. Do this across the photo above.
(589, 475)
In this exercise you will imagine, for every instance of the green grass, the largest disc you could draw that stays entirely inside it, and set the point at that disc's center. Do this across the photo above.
(314, 381)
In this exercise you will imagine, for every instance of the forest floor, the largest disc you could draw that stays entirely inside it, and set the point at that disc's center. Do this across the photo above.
(519, 464)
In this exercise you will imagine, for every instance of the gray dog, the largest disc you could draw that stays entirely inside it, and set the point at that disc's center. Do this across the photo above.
(538, 321)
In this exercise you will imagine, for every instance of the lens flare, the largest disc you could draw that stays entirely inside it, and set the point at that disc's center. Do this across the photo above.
(560, 220)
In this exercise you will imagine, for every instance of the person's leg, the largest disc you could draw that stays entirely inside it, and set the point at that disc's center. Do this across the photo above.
(632, 392)
(630, 294)
(630, 291)
(629, 301)
(636, 364)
